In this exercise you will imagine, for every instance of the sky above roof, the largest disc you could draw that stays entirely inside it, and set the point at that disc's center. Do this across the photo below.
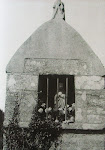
(19, 19)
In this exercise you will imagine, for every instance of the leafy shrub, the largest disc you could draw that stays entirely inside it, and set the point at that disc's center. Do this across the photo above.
(1, 127)
(40, 135)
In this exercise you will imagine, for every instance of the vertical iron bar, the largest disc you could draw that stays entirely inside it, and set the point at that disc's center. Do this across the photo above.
(47, 96)
(66, 98)
(57, 96)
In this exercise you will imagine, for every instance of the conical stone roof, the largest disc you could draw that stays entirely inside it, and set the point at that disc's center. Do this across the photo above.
(56, 39)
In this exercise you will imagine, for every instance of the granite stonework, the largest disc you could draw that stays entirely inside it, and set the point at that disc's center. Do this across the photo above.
(90, 106)
(27, 105)
(80, 142)
(89, 92)
(18, 82)
(21, 89)
(56, 66)
(89, 82)
(89, 103)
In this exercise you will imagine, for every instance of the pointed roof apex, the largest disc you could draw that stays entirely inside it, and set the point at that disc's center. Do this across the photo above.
(58, 10)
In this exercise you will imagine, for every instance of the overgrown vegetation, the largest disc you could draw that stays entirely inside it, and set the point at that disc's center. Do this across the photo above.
(40, 135)
(1, 129)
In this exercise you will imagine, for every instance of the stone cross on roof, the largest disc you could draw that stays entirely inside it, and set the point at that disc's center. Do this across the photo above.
(58, 10)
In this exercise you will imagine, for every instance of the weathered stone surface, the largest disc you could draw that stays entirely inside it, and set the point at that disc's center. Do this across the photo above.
(11, 101)
(55, 66)
(28, 103)
(89, 82)
(79, 115)
(91, 110)
(80, 142)
(81, 106)
(99, 93)
(95, 119)
(26, 100)
(56, 39)
(72, 125)
(94, 101)
(90, 98)
(95, 98)
(100, 111)
(92, 126)
(17, 82)
(89, 106)
(95, 111)
(80, 99)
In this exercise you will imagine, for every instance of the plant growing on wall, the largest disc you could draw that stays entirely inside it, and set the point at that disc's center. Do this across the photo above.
(40, 135)
(1, 129)
(44, 130)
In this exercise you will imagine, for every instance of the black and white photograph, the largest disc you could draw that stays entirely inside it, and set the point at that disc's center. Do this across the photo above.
(52, 74)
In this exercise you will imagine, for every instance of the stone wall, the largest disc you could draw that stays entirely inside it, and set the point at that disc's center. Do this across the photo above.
(90, 101)
(70, 141)
(56, 66)
(89, 92)
(21, 89)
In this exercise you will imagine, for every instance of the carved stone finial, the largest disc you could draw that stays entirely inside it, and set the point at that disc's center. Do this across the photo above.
(58, 10)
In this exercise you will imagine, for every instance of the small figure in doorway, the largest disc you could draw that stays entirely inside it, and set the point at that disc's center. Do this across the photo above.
(59, 103)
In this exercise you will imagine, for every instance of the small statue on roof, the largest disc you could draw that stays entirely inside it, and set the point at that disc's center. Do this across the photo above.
(59, 11)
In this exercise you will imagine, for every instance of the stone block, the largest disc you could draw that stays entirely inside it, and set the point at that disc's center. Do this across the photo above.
(95, 110)
(100, 111)
(95, 119)
(56, 66)
(89, 102)
(91, 110)
(80, 99)
(17, 82)
(80, 115)
(99, 93)
(28, 103)
(81, 106)
(89, 82)
(93, 101)
(90, 98)
(72, 125)
(87, 126)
